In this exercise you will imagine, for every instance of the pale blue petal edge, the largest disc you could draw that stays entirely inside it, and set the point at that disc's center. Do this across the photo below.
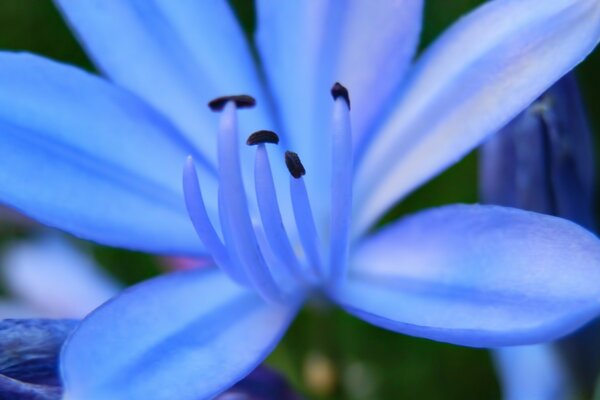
(85, 156)
(477, 276)
(187, 335)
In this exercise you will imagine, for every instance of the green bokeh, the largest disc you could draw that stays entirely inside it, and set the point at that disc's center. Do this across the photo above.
(396, 366)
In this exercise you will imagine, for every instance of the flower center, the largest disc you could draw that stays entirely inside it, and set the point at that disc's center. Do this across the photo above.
(260, 254)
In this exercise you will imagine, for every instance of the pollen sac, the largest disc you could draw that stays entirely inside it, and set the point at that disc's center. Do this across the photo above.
(338, 90)
(294, 165)
(241, 101)
(260, 137)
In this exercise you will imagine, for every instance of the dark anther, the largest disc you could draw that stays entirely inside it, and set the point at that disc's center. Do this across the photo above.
(260, 137)
(294, 165)
(241, 101)
(338, 90)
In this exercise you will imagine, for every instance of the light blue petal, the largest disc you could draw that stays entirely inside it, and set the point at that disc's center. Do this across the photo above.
(473, 80)
(90, 158)
(177, 55)
(306, 46)
(186, 335)
(477, 276)
(532, 372)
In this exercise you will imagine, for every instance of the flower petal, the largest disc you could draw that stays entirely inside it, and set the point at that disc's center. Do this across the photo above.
(53, 277)
(377, 45)
(306, 46)
(472, 81)
(89, 158)
(177, 55)
(186, 335)
(477, 276)
(532, 372)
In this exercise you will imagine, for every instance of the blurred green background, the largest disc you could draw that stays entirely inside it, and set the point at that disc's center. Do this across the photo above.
(326, 354)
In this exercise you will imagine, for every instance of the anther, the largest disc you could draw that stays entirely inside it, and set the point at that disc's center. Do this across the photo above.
(241, 101)
(294, 165)
(338, 90)
(260, 137)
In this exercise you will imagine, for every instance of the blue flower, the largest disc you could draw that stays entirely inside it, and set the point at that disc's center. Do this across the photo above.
(102, 159)
(543, 161)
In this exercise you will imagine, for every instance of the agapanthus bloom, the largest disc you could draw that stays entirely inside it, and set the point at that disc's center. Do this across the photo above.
(102, 159)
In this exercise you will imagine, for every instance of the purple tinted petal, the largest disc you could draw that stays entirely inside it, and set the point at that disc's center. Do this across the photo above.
(477, 276)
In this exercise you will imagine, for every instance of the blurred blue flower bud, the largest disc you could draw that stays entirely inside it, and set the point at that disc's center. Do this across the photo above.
(262, 384)
(29, 358)
(543, 161)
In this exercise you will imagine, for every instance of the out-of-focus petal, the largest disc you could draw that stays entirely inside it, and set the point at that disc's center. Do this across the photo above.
(262, 384)
(10, 308)
(14, 389)
(185, 335)
(543, 160)
(306, 46)
(90, 158)
(532, 372)
(477, 276)
(481, 73)
(54, 278)
(177, 55)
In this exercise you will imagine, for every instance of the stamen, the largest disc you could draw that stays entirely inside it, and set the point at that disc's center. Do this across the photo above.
(341, 190)
(270, 215)
(338, 90)
(303, 215)
(241, 101)
(236, 208)
(259, 137)
(294, 165)
(226, 225)
(204, 228)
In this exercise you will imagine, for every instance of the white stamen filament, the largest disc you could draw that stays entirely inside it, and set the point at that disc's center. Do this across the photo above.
(271, 215)
(236, 207)
(341, 191)
(305, 223)
(263, 257)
